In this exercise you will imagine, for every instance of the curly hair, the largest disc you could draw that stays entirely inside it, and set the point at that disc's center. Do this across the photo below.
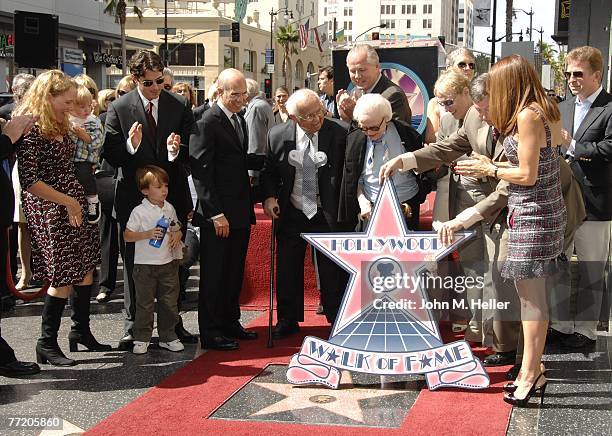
(36, 101)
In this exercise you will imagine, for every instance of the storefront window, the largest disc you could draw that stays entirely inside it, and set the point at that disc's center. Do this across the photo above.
(185, 54)
(229, 57)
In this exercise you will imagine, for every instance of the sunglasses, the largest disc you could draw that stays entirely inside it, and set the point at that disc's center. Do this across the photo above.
(577, 74)
(446, 103)
(168, 87)
(373, 128)
(110, 99)
(122, 92)
(462, 65)
(147, 83)
(92, 91)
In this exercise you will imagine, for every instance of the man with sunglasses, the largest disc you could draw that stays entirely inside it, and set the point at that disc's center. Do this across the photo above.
(300, 182)
(147, 126)
(587, 142)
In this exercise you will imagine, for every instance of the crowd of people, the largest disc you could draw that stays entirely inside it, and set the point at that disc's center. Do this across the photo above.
(142, 171)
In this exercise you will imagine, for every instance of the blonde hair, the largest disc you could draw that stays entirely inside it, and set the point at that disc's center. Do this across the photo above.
(83, 95)
(36, 101)
(451, 81)
(103, 96)
(125, 82)
(184, 86)
(90, 84)
(512, 86)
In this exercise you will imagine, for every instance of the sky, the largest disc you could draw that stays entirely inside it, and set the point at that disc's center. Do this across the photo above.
(544, 16)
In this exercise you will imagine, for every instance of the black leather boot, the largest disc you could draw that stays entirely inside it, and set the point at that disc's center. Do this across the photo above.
(47, 349)
(80, 332)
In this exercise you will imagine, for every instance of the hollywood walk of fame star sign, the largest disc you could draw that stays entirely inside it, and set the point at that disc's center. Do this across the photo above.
(385, 325)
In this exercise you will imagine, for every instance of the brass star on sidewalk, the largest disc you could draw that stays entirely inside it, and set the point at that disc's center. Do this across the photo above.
(343, 401)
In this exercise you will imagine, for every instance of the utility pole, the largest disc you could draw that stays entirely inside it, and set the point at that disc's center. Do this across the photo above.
(493, 32)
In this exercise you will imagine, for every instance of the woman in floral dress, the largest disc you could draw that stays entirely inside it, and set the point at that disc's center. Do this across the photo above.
(66, 249)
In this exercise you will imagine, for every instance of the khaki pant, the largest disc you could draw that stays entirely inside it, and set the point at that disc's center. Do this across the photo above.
(151, 282)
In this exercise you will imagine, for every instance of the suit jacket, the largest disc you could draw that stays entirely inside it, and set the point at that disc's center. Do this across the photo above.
(353, 166)
(7, 197)
(198, 112)
(219, 166)
(278, 175)
(475, 135)
(592, 162)
(174, 115)
(259, 119)
(396, 96)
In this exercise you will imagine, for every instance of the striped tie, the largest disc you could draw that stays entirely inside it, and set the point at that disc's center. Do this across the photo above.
(309, 182)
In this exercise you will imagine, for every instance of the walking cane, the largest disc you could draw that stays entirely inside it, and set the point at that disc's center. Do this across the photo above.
(272, 256)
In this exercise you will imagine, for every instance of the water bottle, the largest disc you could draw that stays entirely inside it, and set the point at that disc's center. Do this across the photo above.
(163, 223)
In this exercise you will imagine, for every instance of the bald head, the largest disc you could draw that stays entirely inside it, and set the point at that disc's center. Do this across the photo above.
(305, 108)
(232, 89)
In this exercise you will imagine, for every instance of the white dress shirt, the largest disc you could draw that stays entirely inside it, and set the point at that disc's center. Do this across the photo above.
(580, 110)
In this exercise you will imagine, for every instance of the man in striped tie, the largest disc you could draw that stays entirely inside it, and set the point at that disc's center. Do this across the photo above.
(301, 183)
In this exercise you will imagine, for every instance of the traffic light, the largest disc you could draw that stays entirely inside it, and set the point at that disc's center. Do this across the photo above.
(268, 87)
(196, 82)
(375, 36)
(235, 32)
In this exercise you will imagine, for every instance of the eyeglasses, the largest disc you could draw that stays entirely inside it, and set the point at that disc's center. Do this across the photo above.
(147, 83)
(237, 95)
(446, 103)
(373, 128)
(577, 74)
(462, 65)
(167, 87)
(311, 117)
(121, 92)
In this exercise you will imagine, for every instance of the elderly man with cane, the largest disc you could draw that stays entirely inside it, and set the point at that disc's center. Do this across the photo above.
(300, 182)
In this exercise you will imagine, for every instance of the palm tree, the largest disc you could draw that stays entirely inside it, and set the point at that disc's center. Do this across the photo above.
(287, 37)
(509, 16)
(117, 8)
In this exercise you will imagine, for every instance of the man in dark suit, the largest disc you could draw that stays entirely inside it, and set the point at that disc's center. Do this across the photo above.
(364, 69)
(301, 184)
(198, 112)
(219, 166)
(587, 139)
(12, 131)
(147, 126)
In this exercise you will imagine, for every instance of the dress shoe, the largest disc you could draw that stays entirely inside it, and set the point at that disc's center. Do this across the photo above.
(577, 340)
(513, 372)
(285, 328)
(218, 342)
(104, 295)
(555, 336)
(236, 331)
(500, 359)
(126, 343)
(19, 369)
(184, 336)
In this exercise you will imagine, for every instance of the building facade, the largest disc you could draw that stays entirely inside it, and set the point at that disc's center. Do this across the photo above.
(404, 19)
(88, 39)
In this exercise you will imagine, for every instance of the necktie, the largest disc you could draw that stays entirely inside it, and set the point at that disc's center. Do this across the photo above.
(309, 182)
(385, 155)
(238, 129)
(151, 119)
(494, 138)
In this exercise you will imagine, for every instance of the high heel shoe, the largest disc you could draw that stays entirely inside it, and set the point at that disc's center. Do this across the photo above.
(511, 387)
(23, 283)
(522, 402)
(86, 339)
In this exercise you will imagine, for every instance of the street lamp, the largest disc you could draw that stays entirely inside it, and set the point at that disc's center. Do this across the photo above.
(288, 15)
(502, 37)
(530, 13)
(541, 32)
(381, 25)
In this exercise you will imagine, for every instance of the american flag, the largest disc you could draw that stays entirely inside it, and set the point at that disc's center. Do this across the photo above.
(303, 31)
